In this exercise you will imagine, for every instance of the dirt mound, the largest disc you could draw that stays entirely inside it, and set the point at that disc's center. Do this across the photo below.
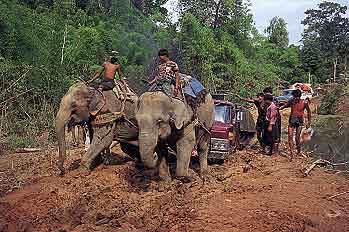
(271, 196)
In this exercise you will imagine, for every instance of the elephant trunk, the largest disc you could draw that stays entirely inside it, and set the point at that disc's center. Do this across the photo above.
(62, 118)
(147, 144)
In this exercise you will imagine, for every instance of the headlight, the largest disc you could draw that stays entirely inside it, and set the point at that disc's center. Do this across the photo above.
(220, 144)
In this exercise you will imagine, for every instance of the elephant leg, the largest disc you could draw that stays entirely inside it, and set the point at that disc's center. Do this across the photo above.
(81, 135)
(73, 133)
(185, 146)
(203, 148)
(103, 137)
(164, 171)
(106, 156)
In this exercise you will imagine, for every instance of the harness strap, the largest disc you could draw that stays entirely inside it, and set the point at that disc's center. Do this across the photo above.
(107, 118)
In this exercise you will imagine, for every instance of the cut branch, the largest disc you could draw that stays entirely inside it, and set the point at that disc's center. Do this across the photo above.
(16, 96)
(337, 195)
(14, 83)
(28, 150)
(319, 161)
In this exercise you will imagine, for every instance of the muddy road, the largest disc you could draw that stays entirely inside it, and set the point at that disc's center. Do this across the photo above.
(268, 195)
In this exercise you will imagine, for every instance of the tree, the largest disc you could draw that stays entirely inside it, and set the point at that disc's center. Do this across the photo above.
(330, 27)
(148, 7)
(277, 32)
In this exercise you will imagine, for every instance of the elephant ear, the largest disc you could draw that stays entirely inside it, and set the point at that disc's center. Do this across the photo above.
(180, 114)
(96, 101)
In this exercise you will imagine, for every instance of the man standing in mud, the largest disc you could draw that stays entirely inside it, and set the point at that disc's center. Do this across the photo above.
(167, 75)
(262, 110)
(296, 120)
(272, 129)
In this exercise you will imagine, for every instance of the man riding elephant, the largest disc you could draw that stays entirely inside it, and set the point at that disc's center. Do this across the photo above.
(167, 75)
(171, 122)
(108, 117)
(112, 77)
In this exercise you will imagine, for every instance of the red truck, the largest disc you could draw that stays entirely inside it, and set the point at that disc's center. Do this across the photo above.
(232, 129)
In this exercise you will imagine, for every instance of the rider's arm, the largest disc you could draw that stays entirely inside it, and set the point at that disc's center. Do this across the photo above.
(97, 74)
(152, 81)
(285, 106)
(178, 83)
(178, 80)
(121, 75)
(249, 100)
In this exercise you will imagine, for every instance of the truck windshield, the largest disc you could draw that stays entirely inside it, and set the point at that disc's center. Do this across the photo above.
(222, 113)
(288, 92)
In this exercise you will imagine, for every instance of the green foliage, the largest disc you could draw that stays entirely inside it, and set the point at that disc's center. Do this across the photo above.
(46, 44)
(329, 102)
(14, 141)
(226, 57)
(277, 32)
(325, 39)
(36, 69)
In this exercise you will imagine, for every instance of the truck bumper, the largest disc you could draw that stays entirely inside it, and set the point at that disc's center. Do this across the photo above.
(218, 154)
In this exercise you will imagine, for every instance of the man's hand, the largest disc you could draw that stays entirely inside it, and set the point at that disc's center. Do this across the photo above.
(270, 128)
(175, 92)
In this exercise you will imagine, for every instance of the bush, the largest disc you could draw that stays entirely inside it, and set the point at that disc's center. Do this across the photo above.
(329, 102)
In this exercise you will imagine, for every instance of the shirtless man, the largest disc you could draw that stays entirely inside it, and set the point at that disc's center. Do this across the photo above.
(110, 69)
(296, 120)
(262, 110)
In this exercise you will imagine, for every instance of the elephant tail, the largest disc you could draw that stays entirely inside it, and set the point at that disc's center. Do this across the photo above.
(63, 116)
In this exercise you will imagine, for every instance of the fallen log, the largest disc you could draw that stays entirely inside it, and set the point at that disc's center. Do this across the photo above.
(323, 162)
(27, 150)
(317, 162)
(337, 195)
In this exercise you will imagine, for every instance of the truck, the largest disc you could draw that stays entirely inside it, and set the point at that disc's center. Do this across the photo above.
(233, 129)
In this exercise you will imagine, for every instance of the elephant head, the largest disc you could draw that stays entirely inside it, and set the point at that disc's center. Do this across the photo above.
(156, 115)
(75, 108)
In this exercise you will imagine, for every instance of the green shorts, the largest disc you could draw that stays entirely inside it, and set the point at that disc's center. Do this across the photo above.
(296, 122)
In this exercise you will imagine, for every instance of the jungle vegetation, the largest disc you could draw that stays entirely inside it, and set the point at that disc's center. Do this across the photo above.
(46, 45)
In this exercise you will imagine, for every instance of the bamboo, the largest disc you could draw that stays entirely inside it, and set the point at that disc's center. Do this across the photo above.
(64, 41)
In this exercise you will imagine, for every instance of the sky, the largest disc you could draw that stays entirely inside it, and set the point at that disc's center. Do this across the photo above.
(292, 11)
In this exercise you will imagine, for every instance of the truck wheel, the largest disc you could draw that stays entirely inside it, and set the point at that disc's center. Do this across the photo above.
(215, 161)
(131, 150)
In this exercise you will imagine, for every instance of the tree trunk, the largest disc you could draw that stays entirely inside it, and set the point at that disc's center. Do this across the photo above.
(218, 6)
(64, 41)
(335, 69)
(345, 66)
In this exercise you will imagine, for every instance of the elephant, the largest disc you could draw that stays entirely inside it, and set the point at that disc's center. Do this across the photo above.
(164, 121)
(82, 104)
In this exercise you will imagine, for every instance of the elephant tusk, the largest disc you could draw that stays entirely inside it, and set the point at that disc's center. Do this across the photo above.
(155, 156)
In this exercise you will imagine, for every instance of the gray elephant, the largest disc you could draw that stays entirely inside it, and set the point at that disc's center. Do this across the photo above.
(165, 121)
(82, 104)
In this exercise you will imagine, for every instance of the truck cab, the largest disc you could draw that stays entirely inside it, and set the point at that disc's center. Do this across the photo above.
(233, 128)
